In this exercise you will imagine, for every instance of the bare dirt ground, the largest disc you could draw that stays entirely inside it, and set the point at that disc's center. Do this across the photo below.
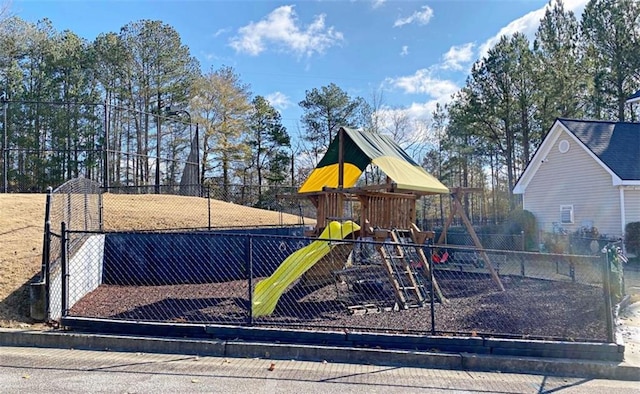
(22, 226)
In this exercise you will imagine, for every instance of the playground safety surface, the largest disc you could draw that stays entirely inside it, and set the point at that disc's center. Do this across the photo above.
(476, 307)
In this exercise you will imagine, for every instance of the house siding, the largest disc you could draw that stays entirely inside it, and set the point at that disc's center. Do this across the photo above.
(573, 178)
(632, 205)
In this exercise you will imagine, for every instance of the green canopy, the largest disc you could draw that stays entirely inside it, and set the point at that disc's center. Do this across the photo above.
(361, 148)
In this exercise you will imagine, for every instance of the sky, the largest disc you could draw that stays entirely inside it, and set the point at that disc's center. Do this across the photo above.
(409, 54)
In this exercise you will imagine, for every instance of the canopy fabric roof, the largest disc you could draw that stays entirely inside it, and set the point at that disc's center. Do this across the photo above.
(362, 148)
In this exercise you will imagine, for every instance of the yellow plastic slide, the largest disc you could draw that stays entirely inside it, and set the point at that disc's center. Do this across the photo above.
(268, 291)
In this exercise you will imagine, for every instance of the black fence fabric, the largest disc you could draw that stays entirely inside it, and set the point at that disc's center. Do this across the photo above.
(278, 205)
(364, 285)
(76, 203)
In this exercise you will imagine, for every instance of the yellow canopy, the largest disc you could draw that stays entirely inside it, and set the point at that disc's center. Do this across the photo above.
(359, 149)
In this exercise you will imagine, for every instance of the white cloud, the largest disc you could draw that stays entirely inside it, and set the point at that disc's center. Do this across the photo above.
(418, 116)
(278, 100)
(414, 112)
(423, 82)
(281, 29)
(457, 55)
(420, 17)
(419, 113)
(528, 24)
(377, 3)
(577, 6)
(404, 51)
(221, 32)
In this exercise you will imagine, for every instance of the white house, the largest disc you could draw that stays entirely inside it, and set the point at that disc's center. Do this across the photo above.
(585, 174)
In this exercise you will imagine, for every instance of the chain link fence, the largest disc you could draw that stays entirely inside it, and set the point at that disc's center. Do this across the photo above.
(253, 272)
(489, 241)
(211, 207)
(276, 277)
(76, 204)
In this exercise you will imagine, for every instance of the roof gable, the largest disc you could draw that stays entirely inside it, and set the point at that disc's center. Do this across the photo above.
(613, 145)
(616, 144)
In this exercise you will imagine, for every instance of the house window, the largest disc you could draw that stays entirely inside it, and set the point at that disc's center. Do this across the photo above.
(563, 146)
(566, 214)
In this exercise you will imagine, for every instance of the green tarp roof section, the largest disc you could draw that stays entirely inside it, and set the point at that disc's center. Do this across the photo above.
(377, 145)
(352, 154)
(395, 162)
(360, 149)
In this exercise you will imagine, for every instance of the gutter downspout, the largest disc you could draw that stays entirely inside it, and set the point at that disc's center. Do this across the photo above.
(623, 218)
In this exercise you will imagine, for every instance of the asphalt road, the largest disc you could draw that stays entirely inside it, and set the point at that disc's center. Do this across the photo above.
(25, 369)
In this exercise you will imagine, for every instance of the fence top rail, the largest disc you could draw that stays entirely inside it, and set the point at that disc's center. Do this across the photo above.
(520, 252)
(79, 185)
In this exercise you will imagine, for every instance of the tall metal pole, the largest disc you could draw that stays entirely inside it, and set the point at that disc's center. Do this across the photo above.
(293, 175)
(105, 148)
(158, 140)
(5, 148)
(198, 157)
(193, 150)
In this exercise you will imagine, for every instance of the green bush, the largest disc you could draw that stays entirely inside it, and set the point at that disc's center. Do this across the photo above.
(521, 220)
(555, 243)
(632, 237)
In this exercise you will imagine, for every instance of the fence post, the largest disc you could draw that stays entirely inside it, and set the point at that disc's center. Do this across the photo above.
(86, 208)
(607, 296)
(432, 291)
(64, 305)
(209, 206)
(249, 269)
(47, 227)
(572, 271)
(69, 211)
(100, 211)
(46, 275)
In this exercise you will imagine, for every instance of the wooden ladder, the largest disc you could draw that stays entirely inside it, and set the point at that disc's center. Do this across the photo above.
(401, 266)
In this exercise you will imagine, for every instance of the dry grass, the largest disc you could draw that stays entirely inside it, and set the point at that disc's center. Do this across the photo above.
(21, 233)
(22, 224)
(149, 211)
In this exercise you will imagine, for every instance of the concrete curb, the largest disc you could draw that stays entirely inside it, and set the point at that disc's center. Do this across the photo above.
(244, 349)
(355, 339)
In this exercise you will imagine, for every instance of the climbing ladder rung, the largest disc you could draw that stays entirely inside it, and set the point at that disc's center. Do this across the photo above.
(404, 278)
(401, 269)
(412, 288)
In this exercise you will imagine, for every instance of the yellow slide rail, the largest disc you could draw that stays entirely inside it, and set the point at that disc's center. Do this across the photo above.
(268, 291)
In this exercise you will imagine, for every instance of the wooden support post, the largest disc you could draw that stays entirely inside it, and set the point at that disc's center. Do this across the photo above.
(419, 238)
(452, 214)
(458, 206)
(340, 158)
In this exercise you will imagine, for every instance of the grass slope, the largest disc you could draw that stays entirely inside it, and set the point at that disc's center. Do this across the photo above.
(22, 224)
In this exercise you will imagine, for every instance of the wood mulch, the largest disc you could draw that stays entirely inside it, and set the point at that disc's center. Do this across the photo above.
(528, 308)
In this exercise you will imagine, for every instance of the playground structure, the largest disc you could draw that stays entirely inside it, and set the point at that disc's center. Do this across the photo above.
(387, 216)
(457, 209)
(268, 291)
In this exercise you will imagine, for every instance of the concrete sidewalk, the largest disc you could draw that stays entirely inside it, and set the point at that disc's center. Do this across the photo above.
(628, 329)
(628, 333)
